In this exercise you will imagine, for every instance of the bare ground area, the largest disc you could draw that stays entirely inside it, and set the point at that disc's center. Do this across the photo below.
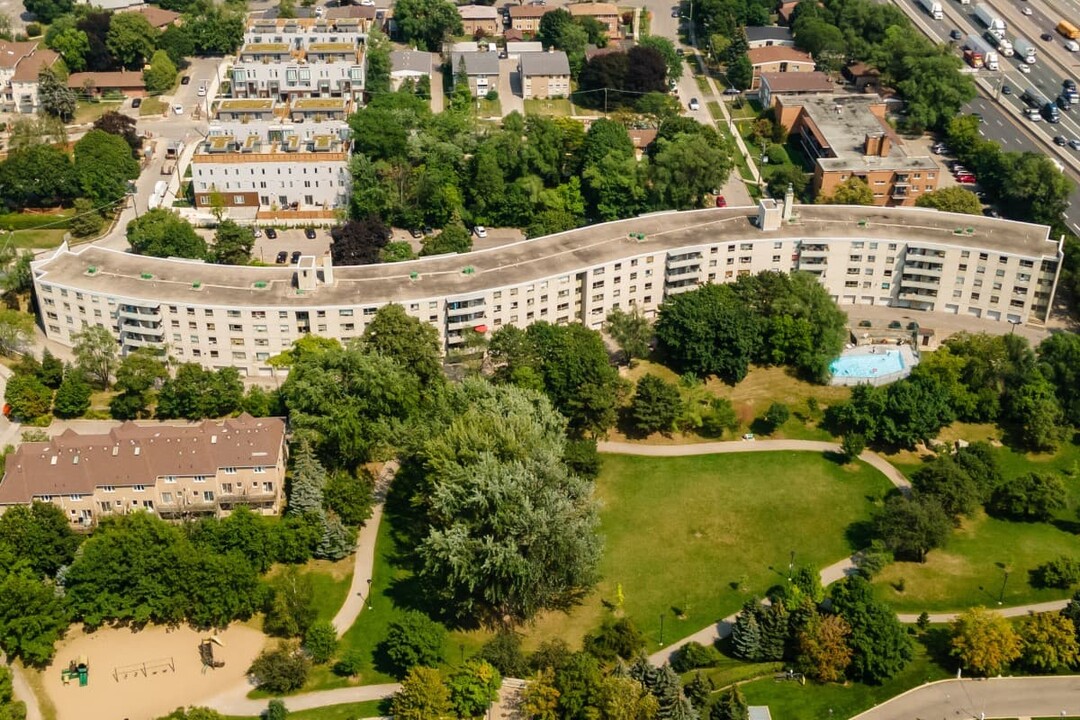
(139, 675)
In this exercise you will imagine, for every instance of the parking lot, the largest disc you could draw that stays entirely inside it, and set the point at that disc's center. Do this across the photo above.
(289, 241)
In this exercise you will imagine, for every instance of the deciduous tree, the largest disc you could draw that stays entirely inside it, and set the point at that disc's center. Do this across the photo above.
(951, 199)
(1048, 642)
(853, 191)
(73, 396)
(232, 244)
(473, 688)
(414, 640)
(423, 696)
(822, 645)
(880, 647)
(910, 527)
(358, 242)
(413, 344)
(320, 642)
(160, 76)
(427, 23)
(282, 669)
(163, 233)
(103, 163)
(1030, 497)
(984, 642)
(131, 39)
(655, 406)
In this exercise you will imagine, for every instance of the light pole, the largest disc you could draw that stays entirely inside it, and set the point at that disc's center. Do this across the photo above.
(661, 629)
(1014, 323)
(791, 566)
(1004, 582)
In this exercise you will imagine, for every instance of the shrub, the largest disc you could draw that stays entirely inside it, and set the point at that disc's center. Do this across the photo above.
(777, 155)
(615, 639)
(350, 664)
(33, 30)
(320, 642)
(852, 446)
(281, 670)
(694, 655)
(776, 415)
(413, 640)
(1061, 572)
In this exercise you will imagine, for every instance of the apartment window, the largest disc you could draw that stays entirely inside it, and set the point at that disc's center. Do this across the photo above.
(775, 258)
(1000, 273)
(1003, 260)
(208, 496)
(166, 498)
(108, 488)
(234, 313)
(994, 299)
(259, 469)
(957, 293)
(974, 296)
(268, 487)
(229, 470)
(139, 488)
(345, 313)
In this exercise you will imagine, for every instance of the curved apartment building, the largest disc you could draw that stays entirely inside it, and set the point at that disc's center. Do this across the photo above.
(241, 316)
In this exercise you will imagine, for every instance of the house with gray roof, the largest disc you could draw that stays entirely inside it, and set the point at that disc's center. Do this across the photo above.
(410, 65)
(480, 68)
(768, 36)
(544, 74)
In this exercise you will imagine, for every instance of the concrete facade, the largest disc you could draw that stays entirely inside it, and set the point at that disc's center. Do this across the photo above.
(175, 472)
(241, 316)
(20, 64)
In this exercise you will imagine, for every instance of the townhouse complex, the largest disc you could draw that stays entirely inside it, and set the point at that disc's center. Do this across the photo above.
(241, 316)
(173, 471)
(278, 143)
(20, 65)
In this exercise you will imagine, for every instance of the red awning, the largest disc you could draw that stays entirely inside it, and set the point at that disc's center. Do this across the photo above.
(480, 329)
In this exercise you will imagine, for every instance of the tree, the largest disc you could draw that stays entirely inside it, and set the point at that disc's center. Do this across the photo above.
(615, 639)
(349, 495)
(740, 72)
(1033, 407)
(131, 39)
(686, 168)
(852, 446)
(423, 696)
(822, 646)
(1059, 361)
(694, 655)
(48, 10)
(624, 698)
(473, 558)
(377, 54)
(746, 633)
(984, 642)
(73, 396)
(1032, 497)
(72, 44)
(32, 618)
(473, 688)
(196, 393)
(40, 535)
(666, 49)
(504, 653)
(86, 221)
(413, 640)
(655, 405)
(290, 610)
(454, 238)
(731, 705)
(950, 485)
(307, 482)
(708, 331)
(413, 344)
(399, 251)
(281, 670)
(951, 199)
(426, 23)
(540, 697)
(138, 374)
(103, 163)
(879, 645)
(37, 176)
(320, 642)
(1048, 642)
(10, 708)
(160, 76)
(28, 398)
(276, 710)
(55, 96)
(912, 526)
(163, 233)
(16, 329)
(232, 244)
(775, 415)
(784, 176)
(178, 42)
(359, 242)
(853, 191)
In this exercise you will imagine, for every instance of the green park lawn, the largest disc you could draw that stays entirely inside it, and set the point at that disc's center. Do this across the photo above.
(345, 711)
(690, 539)
(549, 106)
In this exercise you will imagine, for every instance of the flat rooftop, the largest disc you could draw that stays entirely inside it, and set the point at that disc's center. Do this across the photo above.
(246, 105)
(315, 104)
(266, 48)
(121, 274)
(845, 121)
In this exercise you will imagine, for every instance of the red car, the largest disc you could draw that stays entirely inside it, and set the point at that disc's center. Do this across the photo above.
(965, 179)
(721, 201)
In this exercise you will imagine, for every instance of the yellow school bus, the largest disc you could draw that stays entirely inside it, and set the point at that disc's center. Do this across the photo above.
(1068, 30)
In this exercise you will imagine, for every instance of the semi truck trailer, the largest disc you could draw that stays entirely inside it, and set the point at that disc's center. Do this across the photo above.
(990, 19)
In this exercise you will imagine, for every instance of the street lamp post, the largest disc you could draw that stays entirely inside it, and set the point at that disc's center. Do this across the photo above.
(661, 629)
(1014, 323)
(1004, 582)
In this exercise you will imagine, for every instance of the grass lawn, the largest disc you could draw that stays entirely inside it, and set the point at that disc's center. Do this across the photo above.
(692, 538)
(703, 84)
(346, 711)
(791, 701)
(488, 108)
(38, 238)
(88, 112)
(550, 106)
(152, 106)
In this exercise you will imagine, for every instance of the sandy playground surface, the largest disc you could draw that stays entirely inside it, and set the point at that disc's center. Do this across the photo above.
(146, 674)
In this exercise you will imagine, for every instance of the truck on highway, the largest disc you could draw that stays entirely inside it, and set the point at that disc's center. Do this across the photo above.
(932, 8)
(1024, 50)
(1003, 45)
(990, 19)
(1068, 30)
(980, 54)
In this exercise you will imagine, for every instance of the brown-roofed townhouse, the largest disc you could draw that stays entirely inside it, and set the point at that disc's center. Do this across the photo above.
(606, 13)
(20, 65)
(778, 59)
(173, 471)
(526, 18)
(480, 20)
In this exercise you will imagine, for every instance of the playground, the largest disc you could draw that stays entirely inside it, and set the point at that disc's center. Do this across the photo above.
(140, 675)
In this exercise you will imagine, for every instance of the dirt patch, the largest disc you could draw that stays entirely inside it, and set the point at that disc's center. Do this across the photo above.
(146, 674)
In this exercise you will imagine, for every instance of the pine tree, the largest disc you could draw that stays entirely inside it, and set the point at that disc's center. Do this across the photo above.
(731, 705)
(308, 480)
(699, 689)
(52, 370)
(337, 540)
(775, 630)
(746, 634)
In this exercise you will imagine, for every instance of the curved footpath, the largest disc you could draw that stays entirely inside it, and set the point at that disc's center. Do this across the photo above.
(994, 698)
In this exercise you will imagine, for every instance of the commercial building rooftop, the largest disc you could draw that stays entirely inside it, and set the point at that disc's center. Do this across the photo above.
(125, 275)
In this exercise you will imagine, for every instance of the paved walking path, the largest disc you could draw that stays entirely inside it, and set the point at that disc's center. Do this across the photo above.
(365, 556)
(22, 689)
(1015, 611)
(995, 698)
(236, 702)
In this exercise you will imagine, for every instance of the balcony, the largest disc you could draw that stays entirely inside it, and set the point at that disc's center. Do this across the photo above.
(931, 269)
(461, 322)
(684, 260)
(135, 312)
(813, 250)
(925, 253)
(925, 296)
(683, 270)
(919, 283)
(137, 342)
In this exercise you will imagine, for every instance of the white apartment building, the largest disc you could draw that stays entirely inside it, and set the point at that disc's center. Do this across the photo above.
(241, 316)
(309, 58)
(266, 155)
(20, 65)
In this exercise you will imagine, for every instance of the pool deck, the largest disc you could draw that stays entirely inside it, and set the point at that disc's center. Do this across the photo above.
(907, 356)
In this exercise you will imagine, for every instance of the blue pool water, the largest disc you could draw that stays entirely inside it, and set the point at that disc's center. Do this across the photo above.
(882, 362)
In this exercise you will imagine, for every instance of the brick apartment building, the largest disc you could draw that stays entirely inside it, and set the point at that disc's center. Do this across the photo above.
(173, 471)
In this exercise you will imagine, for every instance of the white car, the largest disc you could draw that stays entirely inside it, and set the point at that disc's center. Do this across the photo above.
(694, 104)
(481, 231)
(367, 3)
(320, 11)
(1026, 10)
(1025, 69)
(202, 91)
(178, 109)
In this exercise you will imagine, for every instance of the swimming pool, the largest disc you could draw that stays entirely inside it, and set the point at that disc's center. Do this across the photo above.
(868, 365)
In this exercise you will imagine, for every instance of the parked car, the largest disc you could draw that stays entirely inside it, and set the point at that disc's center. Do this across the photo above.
(481, 231)
(416, 233)
(1006, 90)
(721, 201)
(271, 233)
(1060, 141)
(731, 91)
(178, 109)
(309, 233)
(185, 80)
(966, 179)
(282, 257)
(428, 230)
(257, 233)
(694, 104)
(202, 90)
(748, 436)
(136, 102)
(674, 12)
(295, 258)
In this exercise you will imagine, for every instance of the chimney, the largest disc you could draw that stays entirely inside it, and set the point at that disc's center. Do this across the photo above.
(886, 146)
(328, 269)
(871, 144)
(789, 202)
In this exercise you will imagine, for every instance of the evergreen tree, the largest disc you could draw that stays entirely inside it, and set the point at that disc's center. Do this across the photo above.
(746, 634)
(52, 370)
(773, 621)
(731, 705)
(73, 397)
(337, 540)
(308, 480)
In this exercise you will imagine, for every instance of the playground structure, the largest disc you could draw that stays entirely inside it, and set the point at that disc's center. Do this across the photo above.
(206, 653)
(78, 668)
(146, 669)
